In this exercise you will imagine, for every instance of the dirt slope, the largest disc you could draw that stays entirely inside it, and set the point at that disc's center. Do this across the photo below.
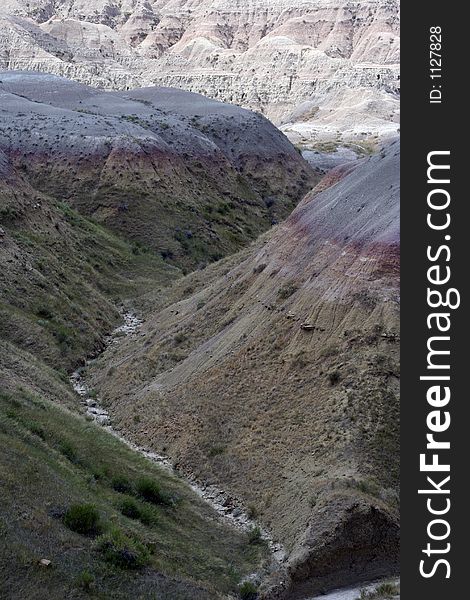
(275, 375)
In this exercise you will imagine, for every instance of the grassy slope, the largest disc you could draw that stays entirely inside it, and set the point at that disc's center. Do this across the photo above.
(62, 278)
(192, 555)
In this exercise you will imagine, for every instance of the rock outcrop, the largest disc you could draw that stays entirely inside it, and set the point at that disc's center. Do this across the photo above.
(317, 67)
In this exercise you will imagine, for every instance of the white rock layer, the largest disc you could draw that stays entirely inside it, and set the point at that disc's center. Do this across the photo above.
(315, 67)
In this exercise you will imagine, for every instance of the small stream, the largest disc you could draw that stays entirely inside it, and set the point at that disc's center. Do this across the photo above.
(227, 507)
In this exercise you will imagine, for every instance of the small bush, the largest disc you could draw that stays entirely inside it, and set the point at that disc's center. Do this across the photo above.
(85, 580)
(254, 536)
(312, 501)
(150, 491)
(44, 313)
(122, 551)
(68, 451)
(37, 430)
(384, 591)
(260, 268)
(179, 338)
(216, 451)
(130, 509)
(287, 290)
(122, 485)
(251, 511)
(387, 589)
(334, 377)
(83, 518)
(248, 591)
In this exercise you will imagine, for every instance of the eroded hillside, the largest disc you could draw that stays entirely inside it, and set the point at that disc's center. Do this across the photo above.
(187, 177)
(319, 67)
(105, 199)
(274, 374)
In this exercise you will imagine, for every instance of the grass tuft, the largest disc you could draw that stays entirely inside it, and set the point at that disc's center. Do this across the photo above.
(122, 551)
(83, 518)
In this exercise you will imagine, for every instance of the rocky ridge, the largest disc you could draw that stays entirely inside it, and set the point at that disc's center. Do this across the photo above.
(318, 68)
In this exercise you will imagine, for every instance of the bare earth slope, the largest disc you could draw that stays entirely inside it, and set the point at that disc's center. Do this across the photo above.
(274, 374)
(188, 177)
(317, 66)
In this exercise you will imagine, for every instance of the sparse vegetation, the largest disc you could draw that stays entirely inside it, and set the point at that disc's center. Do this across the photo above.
(255, 536)
(383, 591)
(248, 591)
(287, 290)
(92, 498)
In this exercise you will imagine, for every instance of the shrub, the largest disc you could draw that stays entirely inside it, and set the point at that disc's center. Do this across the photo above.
(287, 290)
(83, 518)
(254, 536)
(179, 338)
(68, 451)
(387, 589)
(252, 511)
(85, 580)
(334, 377)
(122, 485)
(150, 491)
(44, 313)
(215, 451)
(37, 430)
(383, 591)
(248, 591)
(130, 508)
(122, 551)
(260, 268)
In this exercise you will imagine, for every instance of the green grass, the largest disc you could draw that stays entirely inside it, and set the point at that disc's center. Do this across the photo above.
(171, 549)
(133, 510)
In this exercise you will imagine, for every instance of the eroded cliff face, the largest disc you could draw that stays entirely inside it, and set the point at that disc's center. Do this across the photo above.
(316, 67)
(274, 374)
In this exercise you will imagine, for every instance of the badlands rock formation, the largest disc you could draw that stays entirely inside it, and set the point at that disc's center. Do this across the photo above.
(274, 374)
(316, 67)
(190, 178)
